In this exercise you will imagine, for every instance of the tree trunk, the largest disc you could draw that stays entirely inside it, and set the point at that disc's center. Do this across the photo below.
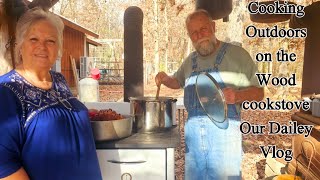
(5, 60)
(156, 40)
(167, 38)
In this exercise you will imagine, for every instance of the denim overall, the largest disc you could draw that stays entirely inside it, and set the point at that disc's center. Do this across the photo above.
(213, 150)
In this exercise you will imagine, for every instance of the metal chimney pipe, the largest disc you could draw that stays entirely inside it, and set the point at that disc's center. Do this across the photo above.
(133, 53)
(311, 64)
(216, 8)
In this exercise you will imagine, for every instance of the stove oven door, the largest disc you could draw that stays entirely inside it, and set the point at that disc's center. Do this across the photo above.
(132, 164)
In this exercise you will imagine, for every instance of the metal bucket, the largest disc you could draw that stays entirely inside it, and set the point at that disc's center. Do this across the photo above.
(152, 114)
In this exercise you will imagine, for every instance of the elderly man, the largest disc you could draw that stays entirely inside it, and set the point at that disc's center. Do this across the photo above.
(213, 150)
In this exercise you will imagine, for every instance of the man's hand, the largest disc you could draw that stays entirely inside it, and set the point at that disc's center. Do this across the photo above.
(170, 82)
(160, 77)
(229, 95)
(251, 93)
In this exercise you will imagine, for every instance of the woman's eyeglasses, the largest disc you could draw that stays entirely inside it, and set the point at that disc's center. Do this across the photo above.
(64, 102)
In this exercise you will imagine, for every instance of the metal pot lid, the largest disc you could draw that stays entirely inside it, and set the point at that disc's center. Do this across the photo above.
(212, 99)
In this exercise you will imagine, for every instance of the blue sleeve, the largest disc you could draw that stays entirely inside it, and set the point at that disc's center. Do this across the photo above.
(10, 133)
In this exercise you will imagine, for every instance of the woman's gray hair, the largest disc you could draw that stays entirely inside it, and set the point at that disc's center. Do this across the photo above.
(196, 13)
(28, 19)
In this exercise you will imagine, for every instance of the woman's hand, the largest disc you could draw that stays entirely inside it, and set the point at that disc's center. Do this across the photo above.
(21, 174)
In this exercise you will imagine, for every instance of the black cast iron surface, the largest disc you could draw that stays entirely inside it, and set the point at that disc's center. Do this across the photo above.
(168, 138)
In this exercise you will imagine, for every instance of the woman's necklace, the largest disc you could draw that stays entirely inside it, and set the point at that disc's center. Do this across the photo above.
(42, 84)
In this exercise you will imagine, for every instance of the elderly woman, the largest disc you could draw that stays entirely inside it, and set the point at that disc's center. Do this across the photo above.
(45, 132)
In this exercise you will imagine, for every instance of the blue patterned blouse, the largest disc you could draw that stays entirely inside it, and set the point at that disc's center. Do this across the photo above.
(47, 132)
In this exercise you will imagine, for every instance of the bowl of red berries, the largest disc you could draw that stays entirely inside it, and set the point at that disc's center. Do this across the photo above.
(107, 124)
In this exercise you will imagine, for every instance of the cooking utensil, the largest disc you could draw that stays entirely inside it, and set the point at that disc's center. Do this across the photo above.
(212, 99)
(152, 114)
(112, 130)
(158, 91)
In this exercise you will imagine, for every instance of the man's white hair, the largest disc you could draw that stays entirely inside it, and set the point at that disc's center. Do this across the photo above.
(196, 13)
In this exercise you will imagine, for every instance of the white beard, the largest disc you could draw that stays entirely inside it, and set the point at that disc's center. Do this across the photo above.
(205, 46)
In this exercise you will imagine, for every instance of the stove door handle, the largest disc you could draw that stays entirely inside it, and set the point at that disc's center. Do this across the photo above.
(126, 162)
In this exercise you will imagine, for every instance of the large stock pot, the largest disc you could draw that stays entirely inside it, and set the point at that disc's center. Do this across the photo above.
(152, 114)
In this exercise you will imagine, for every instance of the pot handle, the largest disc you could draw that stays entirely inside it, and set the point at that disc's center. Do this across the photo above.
(126, 162)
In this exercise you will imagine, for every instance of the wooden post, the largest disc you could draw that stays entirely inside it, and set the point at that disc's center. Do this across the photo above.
(75, 75)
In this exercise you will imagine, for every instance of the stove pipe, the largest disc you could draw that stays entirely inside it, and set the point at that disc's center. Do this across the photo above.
(216, 8)
(311, 64)
(133, 53)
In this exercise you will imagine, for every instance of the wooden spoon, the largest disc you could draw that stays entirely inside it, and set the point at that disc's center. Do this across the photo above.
(158, 91)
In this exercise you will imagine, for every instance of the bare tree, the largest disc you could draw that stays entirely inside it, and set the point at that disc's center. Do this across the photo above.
(157, 35)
